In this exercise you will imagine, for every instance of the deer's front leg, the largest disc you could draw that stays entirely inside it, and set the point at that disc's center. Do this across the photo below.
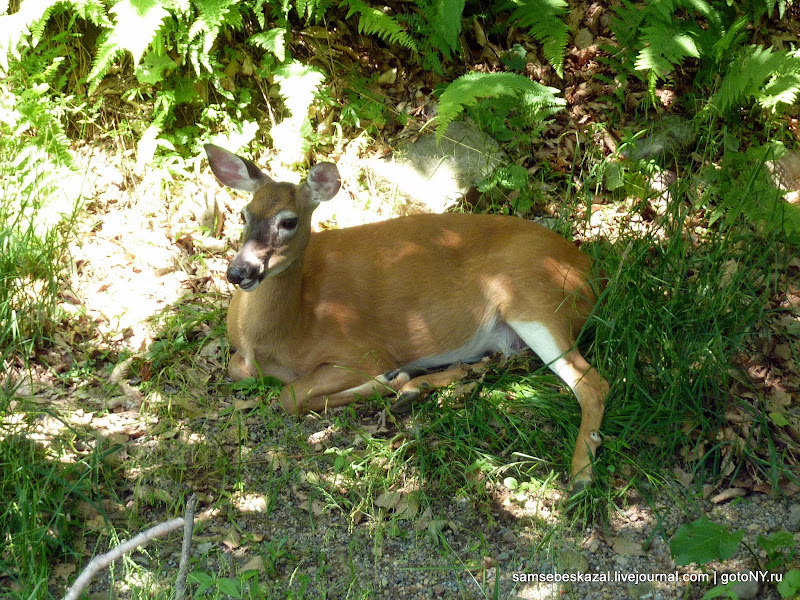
(329, 386)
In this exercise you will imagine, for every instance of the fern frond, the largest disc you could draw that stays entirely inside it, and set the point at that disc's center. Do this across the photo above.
(625, 23)
(770, 77)
(447, 24)
(666, 45)
(15, 28)
(783, 89)
(312, 9)
(545, 20)
(298, 83)
(273, 41)
(136, 26)
(212, 15)
(94, 11)
(468, 89)
(372, 21)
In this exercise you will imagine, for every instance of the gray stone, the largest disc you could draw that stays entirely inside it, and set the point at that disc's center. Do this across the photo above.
(672, 136)
(793, 522)
(785, 172)
(572, 561)
(583, 39)
(431, 175)
(746, 589)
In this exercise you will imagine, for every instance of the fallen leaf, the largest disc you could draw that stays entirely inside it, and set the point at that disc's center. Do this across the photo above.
(728, 494)
(388, 499)
(63, 571)
(246, 404)
(232, 539)
(254, 564)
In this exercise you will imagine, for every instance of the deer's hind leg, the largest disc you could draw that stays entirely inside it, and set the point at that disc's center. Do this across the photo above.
(556, 347)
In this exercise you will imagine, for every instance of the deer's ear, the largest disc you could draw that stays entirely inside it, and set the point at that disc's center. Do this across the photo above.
(323, 180)
(235, 171)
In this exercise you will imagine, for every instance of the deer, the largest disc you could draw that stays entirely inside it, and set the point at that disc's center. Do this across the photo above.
(401, 305)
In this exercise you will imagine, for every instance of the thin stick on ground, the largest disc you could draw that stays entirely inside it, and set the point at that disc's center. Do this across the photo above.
(186, 550)
(102, 561)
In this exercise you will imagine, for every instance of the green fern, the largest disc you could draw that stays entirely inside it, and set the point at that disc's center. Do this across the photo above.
(137, 23)
(273, 41)
(93, 11)
(769, 77)
(312, 9)
(437, 25)
(665, 46)
(465, 91)
(373, 21)
(654, 39)
(446, 24)
(213, 15)
(15, 29)
(545, 20)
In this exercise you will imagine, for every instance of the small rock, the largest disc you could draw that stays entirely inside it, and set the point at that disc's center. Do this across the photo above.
(509, 537)
(642, 591)
(670, 137)
(573, 561)
(793, 521)
(583, 39)
(746, 590)
(434, 175)
(627, 547)
(785, 172)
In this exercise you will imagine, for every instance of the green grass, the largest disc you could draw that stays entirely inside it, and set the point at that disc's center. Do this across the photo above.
(683, 303)
(31, 265)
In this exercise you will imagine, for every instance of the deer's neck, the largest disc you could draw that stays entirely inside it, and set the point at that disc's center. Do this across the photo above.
(276, 305)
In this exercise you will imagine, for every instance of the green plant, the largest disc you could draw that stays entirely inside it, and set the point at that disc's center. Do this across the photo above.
(437, 26)
(465, 91)
(743, 187)
(432, 31)
(39, 198)
(547, 26)
(40, 491)
(770, 78)
(171, 48)
(246, 585)
(703, 541)
(671, 330)
(663, 35)
(373, 21)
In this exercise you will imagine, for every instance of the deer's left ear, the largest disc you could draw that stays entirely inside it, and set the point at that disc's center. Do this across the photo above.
(323, 181)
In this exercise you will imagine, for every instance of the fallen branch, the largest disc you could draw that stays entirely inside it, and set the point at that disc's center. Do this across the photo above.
(102, 561)
(186, 550)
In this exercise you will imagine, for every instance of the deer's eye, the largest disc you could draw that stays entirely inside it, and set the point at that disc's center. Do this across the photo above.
(288, 223)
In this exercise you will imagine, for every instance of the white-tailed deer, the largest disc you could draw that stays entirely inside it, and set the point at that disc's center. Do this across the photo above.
(349, 313)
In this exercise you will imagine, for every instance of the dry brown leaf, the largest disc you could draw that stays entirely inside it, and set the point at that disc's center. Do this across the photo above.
(246, 404)
(63, 571)
(728, 494)
(256, 563)
(232, 539)
(388, 499)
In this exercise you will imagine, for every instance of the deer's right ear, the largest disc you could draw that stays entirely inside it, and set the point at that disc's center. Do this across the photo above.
(235, 171)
